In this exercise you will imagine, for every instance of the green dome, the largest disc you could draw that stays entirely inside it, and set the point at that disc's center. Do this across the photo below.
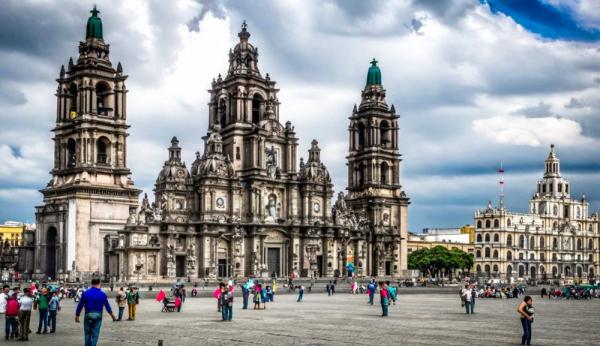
(94, 25)
(374, 74)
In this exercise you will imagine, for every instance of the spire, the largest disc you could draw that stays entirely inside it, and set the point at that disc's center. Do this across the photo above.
(94, 25)
(174, 150)
(314, 153)
(244, 34)
(374, 74)
(501, 183)
(552, 164)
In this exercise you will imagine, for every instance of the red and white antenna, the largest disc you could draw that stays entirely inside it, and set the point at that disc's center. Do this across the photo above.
(501, 182)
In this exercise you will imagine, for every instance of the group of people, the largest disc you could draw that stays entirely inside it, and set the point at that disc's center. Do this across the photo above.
(506, 292)
(130, 299)
(387, 294)
(570, 292)
(17, 308)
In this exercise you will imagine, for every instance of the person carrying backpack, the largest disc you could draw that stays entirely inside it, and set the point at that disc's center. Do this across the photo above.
(11, 316)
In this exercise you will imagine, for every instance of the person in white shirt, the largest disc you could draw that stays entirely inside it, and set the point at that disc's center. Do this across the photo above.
(25, 314)
(4, 298)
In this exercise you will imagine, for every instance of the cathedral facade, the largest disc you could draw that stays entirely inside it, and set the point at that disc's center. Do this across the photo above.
(247, 205)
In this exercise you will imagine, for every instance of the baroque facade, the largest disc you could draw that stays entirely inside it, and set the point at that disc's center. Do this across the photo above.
(247, 205)
(556, 239)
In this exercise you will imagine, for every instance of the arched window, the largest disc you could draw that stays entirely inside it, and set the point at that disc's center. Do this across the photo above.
(509, 256)
(531, 242)
(554, 257)
(579, 244)
(542, 243)
(385, 173)
(72, 99)
(102, 150)
(495, 254)
(542, 256)
(554, 225)
(495, 268)
(103, 99)
(478, 268)
(532, 257)
(479, 239)
(256, 108)
(487, 224)
(509, 270)
(361, 174)
(554, 243)
(520, 255)
(222, 113)
(521, 271)
(496, 238)
(361, 135)
(554, 272)
(508, 222)
(496, 223)
(521, 241)
(509, 240)
(487, 268)
(71, 152)
(478, 253)
(487, 238)
(479, 224)
(385, 134)
(487, 252)
(590, 244)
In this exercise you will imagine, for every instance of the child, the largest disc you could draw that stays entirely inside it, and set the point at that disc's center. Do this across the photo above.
(256, 297)
(178, 303)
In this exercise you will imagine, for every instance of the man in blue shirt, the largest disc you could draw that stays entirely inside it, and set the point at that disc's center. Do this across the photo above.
(94, 301)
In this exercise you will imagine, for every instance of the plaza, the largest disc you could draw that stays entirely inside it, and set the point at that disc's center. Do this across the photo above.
(342, 319)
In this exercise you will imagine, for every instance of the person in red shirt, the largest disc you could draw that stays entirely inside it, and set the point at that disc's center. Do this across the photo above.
(385, 296)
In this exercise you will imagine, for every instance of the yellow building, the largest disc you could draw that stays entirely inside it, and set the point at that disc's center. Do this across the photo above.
(420, 241)
(12, 231)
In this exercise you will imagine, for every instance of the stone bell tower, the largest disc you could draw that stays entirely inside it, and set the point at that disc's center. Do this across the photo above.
(374, 188)
(91, 192)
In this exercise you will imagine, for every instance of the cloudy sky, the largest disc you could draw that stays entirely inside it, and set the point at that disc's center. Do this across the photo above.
(476, 83)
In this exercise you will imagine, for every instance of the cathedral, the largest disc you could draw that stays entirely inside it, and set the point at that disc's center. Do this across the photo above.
(247, 206)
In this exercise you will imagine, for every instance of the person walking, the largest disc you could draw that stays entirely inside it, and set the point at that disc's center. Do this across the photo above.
(133, 299)
(4, 298)
(526, 312)
(465, 297)
(371, 288)
(227, 304)
(94, 301)
(121, 302)
(392, 292)
(25, 314)
(53, 309)
(41, 304)
(473, 297)
(245, 296)
(11, 316)
(328, 288)
(384, 295)
(300, 293)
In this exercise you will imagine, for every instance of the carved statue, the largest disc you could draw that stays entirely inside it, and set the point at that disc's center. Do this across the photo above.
(272, 208)
(132, 219)
(271, 161)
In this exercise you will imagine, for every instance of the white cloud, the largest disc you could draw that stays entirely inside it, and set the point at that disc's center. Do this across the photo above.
(520, 130)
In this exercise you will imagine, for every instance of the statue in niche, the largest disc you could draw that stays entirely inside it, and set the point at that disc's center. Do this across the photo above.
(272, 208)
(271, 162)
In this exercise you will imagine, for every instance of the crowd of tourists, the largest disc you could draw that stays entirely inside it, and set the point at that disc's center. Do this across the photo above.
(571, 292)
(17, 308)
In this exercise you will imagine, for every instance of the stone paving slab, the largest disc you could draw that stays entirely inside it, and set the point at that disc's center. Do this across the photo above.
(342, 319)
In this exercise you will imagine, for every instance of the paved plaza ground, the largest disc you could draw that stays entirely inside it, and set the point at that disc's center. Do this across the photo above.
(343, 319)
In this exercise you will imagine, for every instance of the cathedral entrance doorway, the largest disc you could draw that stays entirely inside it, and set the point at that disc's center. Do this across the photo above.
(388, 268)
(222, 271)
(274, 261)
(180, 266)
(51, 238)
(319, 266)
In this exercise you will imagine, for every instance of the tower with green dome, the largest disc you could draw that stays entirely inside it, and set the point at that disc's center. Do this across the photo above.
(374, 188)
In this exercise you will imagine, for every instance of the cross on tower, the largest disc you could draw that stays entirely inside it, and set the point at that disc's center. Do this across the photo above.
(244, 25)
(94, 12)
(374, 62)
